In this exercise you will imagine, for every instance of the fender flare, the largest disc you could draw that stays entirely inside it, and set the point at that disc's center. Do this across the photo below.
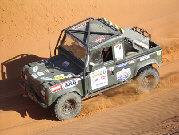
(63, 92)
(145, 63)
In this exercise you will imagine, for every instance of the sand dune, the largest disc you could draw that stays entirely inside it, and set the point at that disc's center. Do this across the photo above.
(27, 28)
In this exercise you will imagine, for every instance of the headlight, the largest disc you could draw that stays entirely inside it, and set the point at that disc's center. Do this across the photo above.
(43, 92)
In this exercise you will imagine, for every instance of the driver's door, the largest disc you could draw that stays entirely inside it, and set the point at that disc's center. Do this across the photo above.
(122, 67)
(102, 75)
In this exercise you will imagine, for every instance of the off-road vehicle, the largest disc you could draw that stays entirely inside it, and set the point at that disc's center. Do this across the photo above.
(90, 57)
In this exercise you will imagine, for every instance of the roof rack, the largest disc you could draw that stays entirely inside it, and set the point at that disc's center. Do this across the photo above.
(141, 31)
(88, 31)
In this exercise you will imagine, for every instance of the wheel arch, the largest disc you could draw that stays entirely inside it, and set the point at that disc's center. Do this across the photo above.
(63, 92)
(144, 64)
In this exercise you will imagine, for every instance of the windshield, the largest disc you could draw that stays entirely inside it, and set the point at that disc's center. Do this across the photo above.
(75, 47)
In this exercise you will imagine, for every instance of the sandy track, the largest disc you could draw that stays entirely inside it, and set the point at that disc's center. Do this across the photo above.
(24, 30)
(141, 117)
(147, 114)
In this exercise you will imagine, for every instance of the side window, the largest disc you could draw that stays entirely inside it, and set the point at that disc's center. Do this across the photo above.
(96, 57)
(107, 54)
(129, 49)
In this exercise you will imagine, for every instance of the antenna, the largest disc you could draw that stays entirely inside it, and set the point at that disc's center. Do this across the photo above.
(49, 43)
(50, 49)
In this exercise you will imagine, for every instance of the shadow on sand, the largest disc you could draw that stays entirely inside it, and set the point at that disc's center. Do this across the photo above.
(11, 98)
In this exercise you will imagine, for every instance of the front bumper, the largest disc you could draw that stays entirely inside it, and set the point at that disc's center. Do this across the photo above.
(30, 92)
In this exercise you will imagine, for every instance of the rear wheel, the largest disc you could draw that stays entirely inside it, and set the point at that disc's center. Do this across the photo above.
(147, 78)
(68, 106)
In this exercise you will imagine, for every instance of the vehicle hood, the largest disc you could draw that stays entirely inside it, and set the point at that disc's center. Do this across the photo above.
(57, 68)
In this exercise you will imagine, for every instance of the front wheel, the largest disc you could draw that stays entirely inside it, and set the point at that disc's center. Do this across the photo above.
(67, 106)
(147, 78)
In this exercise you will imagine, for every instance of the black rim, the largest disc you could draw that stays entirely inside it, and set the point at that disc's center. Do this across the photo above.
(69, 107)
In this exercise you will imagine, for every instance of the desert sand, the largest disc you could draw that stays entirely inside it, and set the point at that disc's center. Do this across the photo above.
(28, 28)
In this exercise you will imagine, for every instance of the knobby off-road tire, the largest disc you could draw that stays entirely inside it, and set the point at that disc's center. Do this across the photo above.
(147, 79)
(67, 106)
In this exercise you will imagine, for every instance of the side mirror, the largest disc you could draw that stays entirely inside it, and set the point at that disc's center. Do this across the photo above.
(90, 68)
(91, 65)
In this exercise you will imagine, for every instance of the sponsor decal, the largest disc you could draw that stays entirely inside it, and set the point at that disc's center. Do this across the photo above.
(118, 45)
(95, 74)
(103, 77)
(46, 78)
(70, 83)
(122, 65)
(64, 85)
(99, 40)
(69, 75)
(111, 69)
(159, 52)
(59, 77)
(118, 51)
(55, 88)
(40, 73)
(124, 74)
(35, 69)
(34, 75)
(144, 57)
(99, 78)
(62, 76)
(79, 27)
(46, 70)
(65, 64)
(131, 62)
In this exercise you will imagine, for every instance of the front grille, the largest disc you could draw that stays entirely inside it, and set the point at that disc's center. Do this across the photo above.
(33, 84)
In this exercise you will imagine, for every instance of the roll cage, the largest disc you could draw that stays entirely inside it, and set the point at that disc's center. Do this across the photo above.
(87, 32)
